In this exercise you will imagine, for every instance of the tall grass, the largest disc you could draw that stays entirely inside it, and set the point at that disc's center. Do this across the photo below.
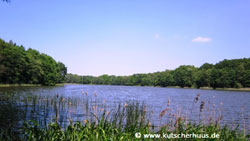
(122, 124)
(102, 122)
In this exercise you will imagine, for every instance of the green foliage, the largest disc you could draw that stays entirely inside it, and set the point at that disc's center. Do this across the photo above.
(225, 74)
(18, 66)
(183, 76)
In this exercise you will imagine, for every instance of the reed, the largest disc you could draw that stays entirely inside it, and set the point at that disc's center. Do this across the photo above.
(101, 122)
(107, 130)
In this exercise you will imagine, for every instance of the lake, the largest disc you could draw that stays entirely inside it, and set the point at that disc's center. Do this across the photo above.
(73, 102)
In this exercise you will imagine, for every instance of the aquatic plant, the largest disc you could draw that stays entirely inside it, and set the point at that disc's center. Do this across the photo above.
(120, 122)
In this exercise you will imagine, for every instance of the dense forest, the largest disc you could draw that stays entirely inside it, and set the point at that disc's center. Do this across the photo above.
(19, 66)
(225, 74)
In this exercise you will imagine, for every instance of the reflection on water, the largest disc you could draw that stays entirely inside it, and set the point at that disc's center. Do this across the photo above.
(80, 102)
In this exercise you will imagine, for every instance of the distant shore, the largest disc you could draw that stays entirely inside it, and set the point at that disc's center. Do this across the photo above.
(210, 88)
(202, 88)
(62, 84)
(226, 89)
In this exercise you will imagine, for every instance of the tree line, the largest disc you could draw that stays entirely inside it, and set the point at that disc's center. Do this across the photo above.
(233, 73)
(20, 66)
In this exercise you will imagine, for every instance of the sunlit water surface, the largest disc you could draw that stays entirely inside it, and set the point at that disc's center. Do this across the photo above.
(228, 107)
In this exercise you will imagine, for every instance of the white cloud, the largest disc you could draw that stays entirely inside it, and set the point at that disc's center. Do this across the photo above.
(157, 36)
(202, 39)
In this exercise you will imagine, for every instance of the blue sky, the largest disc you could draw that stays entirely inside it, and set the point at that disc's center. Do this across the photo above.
(123, 37)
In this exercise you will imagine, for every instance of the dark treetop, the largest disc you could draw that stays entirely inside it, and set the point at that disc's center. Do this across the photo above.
(18, 66)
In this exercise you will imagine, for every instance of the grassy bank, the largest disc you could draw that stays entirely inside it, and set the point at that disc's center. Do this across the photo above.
(19, 85)
(25, 85)
(226, 89)
(210, 88)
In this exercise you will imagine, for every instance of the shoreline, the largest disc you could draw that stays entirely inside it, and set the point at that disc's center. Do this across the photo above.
(227, 89)
(26, 85)
(247, 89)
(62, 84)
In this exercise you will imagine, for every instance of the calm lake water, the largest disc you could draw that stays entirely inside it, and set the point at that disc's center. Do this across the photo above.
(35, 103)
